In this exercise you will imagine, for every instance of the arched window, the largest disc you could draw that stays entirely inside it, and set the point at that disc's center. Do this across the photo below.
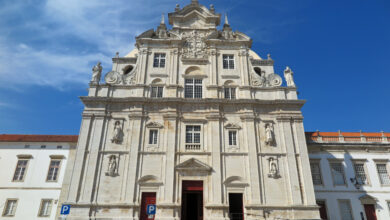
(229, 90)
(127, 69)
(156, 89)
(257, 70)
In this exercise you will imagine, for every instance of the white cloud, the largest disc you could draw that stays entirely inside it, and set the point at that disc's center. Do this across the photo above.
(98, 27)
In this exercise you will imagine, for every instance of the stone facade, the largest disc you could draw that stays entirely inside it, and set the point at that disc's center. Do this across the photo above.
(191, 107)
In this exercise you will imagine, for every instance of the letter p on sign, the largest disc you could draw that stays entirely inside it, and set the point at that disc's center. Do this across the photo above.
(65, 209)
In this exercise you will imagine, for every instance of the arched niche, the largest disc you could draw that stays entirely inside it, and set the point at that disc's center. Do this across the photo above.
(128, 69)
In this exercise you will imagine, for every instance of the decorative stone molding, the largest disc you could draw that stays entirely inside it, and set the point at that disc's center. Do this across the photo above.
(230, 76)
(232, 126)
(149, 180)
(154, 125)
(124, 60)
(193, 165)
(162, 75)
(262, 62)
(235, 181)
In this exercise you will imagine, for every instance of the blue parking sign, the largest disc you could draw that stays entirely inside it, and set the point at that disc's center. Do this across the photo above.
(65, 209)
(151, 210)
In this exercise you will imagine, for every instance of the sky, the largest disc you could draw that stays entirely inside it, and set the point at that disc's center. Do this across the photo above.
(339, 52)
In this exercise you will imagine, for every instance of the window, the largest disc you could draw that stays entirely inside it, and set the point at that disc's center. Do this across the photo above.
(193, 134)
(193, 88)
(316, 173)
(388, 205)
(153, 136)
(20, 170)
(159, 60)
(43, 146)
(228, 61)
(156, 92)
(338, 173)
(345, 210)
(59, 147)
(383, 174)
(232, 138)
(45, 209)
(10, 207)
(27, 146)
(323, 211)
(360, 173)
(54, 169)
(230, 93)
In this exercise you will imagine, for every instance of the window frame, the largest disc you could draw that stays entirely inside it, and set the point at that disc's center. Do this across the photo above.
(6, 207)
(156, 138)
(187, 146)
(158, 93)
(230, 62)
(387, 171)
(318, 162)
(58, 172)
(41, 206)
(231, 95)
(194, 85)
(343, 169)
(367, 176)
(159, 57)
(349, 204)
(25, 170)
(235, 136)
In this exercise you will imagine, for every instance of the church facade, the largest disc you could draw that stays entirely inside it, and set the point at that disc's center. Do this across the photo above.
(195, 122)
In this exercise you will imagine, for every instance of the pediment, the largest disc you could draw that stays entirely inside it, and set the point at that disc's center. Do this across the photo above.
(367, 199)
(154, 125)
(193, 165)
(194, 15)
(149, 180)
(232, 126)
(235, 181)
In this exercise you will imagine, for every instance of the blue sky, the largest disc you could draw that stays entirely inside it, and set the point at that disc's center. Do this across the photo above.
(338, 50)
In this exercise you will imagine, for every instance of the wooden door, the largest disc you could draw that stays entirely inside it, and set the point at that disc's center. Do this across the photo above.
(147, 199)
(370, 212)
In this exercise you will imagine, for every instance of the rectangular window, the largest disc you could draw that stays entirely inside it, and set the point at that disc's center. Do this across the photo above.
(230, 93)
(383, 174)
(192, 134)
(156, 92)
(388, 205)
(316, 173)
(153, 136)
(20, 170)
(45, 209)
(338, 173)
(193, 88)
(345, 210)
(232, 138)
(10, 207)
(159, 60)
(323, 211)
(228, 61)
(54, 168)
(360, 173)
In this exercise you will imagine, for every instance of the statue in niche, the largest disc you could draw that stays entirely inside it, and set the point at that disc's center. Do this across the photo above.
(117, 134)
(112, 166)
(269, 134)
(96, 73)
(273, 168)
(288, 75)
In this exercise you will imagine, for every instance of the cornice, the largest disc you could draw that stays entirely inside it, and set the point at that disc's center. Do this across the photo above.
(144, 100)
(121, 60)
(262, 62)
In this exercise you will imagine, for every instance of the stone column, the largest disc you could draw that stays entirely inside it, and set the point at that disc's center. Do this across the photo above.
(250, 140)
(291, 167)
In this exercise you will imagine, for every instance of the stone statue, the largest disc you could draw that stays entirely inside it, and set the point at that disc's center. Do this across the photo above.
(269, 134)
(96, 73)
(273, 168)
(288, 75)
(117, 134)
(112, 165)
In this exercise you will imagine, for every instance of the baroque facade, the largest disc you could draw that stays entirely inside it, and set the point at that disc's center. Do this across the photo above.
(194, 121)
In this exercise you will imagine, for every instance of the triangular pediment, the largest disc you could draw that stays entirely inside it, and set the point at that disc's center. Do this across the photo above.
(367, 199)
(193, 165)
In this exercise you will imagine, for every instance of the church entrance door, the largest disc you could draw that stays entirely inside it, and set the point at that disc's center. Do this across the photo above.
(370, 212)
(147, 199)
(192, 200)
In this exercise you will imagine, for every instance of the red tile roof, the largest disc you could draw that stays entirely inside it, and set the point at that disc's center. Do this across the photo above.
(346, 134)
(37, 138)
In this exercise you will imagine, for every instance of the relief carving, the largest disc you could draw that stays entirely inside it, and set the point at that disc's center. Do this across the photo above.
(112, 166)
(273, 168)
(117, 133)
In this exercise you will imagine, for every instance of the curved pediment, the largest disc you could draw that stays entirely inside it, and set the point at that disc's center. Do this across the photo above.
(193, 165)
(154, 125)
(235, 181)
(149, 180)
(232, 126)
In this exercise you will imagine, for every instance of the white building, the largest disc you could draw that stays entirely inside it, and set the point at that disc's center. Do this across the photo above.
(351, 174)
(31, 174)
(194, 121)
